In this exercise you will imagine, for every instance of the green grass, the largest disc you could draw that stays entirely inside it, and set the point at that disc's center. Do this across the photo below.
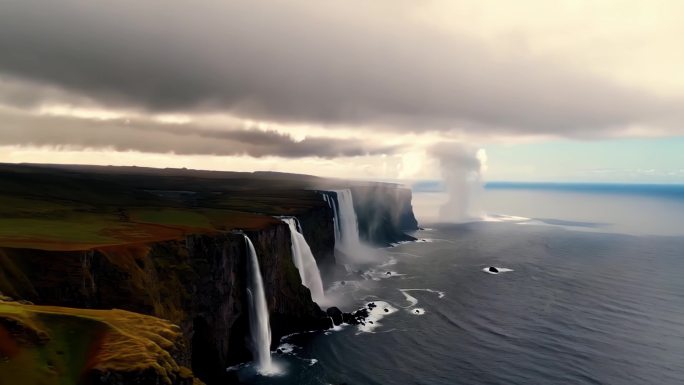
(52, 345)
(170, 217)
(69, 230)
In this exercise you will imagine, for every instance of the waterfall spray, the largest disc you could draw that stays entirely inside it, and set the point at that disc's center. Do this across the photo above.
(259, 327)
(462, 169)
(305, 262)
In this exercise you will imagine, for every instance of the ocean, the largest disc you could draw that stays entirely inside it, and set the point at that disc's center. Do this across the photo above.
(590, 290)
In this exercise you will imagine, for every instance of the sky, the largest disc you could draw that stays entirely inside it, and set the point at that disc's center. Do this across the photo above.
(386, 89)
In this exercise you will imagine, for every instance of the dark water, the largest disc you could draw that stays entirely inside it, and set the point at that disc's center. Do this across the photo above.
(595, 296)
(578, 308)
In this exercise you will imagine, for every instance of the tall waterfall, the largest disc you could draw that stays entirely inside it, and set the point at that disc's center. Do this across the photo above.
(259, 327)
(336, 220)
(348, 224)
(305, 262)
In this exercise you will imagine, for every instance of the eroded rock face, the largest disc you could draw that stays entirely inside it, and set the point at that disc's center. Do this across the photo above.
(384, 213)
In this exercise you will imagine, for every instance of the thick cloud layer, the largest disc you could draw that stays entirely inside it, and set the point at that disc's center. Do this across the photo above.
(354, 62)
(145, 136)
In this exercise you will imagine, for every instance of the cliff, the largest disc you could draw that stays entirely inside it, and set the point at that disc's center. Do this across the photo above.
(197, 283)
(384, 213)
(164, 244)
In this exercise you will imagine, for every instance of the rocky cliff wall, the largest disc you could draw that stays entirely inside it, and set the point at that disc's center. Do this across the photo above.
(197, 283)
(384, 213)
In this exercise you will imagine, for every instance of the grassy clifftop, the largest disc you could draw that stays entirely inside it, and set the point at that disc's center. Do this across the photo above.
(66, 209)
(57, 345)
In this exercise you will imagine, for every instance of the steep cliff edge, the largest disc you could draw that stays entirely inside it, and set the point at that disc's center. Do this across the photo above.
(385, 213)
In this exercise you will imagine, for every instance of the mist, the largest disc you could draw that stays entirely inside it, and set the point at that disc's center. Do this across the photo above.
(462, 167)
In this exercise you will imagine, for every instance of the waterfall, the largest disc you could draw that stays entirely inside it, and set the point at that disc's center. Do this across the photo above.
(336, 223)
(305, 262)
(259, 327)
(347, 223)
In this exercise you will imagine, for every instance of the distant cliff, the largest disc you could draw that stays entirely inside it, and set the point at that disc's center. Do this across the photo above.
(385, 213)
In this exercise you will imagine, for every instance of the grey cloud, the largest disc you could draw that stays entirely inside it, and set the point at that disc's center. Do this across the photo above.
(152, 137)
(351, 62)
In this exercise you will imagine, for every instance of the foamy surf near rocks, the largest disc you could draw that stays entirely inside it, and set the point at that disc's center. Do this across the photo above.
(496, 270)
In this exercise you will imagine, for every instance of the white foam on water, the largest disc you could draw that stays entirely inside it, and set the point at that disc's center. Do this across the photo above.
(377, 275)
(375, 315)
(313, 362)
(417, 311)
(503, 218)
(337, 328)
(425, 240)
(413, 301)
(287, 348)
(251, 368)
(501, 270)
(395, 244)
(440, 294)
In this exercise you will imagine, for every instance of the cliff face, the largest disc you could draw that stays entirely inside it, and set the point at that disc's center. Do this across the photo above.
(198, 283)
(384, 213)
(319, 231)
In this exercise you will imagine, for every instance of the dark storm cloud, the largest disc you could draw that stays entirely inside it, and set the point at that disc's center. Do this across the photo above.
(306, 61)
(152, 137)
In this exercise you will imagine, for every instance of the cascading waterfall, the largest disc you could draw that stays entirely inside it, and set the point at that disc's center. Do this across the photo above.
(305, 262)
(336, 223)
(347, 221)
(259, 327)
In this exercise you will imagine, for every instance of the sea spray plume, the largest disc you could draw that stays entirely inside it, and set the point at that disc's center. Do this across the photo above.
(462, 168)
(259, 327)
(305, 262)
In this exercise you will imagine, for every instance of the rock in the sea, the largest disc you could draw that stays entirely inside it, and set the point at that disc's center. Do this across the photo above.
(372, 305)
(386, 310)
(335, 314)
(357, 317)
(388, 273)
(493, 269)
